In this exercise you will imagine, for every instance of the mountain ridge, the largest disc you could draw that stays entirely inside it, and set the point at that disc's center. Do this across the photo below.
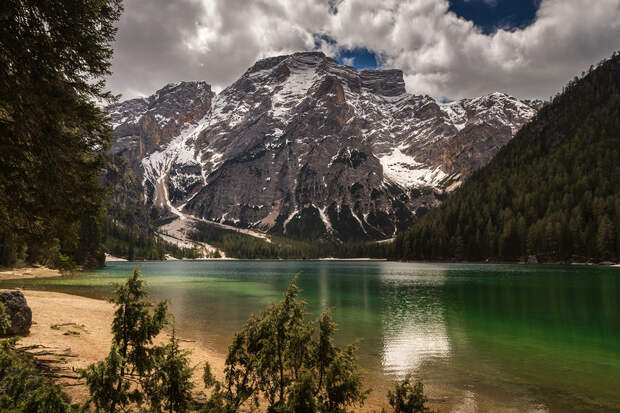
(304, 147)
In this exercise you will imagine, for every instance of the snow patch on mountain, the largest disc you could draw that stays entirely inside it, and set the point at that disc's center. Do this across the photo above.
(404, 170)
(303, 130)
(290, 93)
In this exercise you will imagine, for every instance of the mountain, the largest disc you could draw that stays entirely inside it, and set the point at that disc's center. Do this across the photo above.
(303, 147)
(553, 192)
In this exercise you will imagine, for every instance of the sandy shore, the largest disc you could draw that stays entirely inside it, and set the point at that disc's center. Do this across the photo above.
(77, 330)
(28, 272)
(73, 332)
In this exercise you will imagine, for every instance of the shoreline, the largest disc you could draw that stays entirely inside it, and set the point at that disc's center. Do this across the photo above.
(72, 332)
(587, 264)
(31, 272)
(256, 259)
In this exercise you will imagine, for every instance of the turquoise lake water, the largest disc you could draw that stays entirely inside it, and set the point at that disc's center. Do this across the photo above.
(482, 337)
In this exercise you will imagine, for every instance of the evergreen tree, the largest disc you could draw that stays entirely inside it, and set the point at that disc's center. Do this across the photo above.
(54, 57)
(605, 238)
(122, 378)
(169, 387)
(291, 364)
(408, 398)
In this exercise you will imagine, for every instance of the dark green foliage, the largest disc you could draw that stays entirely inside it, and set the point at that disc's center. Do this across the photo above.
(108, 388)
(136, 323)
(552, 191)
(408, 397)
(238, 245)
(54, 57)
(289, 363)
(22, 389)
(5, 320)
(125, 375)
(169, 387)
(301, 398)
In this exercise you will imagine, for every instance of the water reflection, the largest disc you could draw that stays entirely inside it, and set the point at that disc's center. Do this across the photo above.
(407, 345)
(484, 338)
(414, 328)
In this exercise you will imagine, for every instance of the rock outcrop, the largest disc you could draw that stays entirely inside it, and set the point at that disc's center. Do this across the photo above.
(18, 311)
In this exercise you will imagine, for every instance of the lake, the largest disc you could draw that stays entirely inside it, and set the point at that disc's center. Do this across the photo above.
(488, 338)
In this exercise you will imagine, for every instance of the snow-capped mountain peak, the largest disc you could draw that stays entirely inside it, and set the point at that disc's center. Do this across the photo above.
(303, 146)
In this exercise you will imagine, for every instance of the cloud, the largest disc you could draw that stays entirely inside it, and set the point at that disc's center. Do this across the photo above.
(349, 61)
(440, 53)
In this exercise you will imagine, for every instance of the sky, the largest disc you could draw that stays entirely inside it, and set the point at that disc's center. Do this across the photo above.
(448, 49)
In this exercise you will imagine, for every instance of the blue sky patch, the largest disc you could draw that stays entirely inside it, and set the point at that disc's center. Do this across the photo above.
(491, 15)
(360, 58)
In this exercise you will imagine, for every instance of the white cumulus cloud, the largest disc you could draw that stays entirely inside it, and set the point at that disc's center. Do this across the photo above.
(440, 53)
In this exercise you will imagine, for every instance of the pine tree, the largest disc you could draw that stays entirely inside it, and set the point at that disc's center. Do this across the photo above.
(289, 362)
(605, 238)
(54, 57)
(408, 398)
(169, 387)
(121, 379)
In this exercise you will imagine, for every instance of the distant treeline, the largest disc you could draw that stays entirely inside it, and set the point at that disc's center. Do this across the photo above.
(553, 191)
(238, 245)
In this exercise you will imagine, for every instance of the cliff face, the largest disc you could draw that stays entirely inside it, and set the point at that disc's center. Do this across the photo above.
(304, 147)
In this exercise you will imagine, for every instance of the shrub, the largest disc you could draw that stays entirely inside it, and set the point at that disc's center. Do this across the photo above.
(22, 389)
(408, 397)
(124, 376)
(289, 363)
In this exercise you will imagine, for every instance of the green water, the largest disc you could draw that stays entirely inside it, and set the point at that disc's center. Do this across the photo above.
(483, 337)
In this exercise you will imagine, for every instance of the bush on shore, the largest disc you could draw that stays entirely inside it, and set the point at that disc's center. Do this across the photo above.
(279, 362)
(22, 387)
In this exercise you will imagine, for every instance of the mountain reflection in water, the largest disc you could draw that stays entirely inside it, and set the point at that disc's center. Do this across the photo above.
(486, 338)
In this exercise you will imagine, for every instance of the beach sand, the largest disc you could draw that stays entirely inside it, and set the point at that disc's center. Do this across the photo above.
(28, 272)
(77, 329)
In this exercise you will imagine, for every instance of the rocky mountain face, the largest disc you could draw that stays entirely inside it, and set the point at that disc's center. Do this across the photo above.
(303, 147)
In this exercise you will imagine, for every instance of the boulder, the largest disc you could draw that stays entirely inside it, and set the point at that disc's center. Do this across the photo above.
(532, 259)
(18, 311)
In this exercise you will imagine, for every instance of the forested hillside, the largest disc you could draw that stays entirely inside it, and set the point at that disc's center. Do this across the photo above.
(553, 191)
